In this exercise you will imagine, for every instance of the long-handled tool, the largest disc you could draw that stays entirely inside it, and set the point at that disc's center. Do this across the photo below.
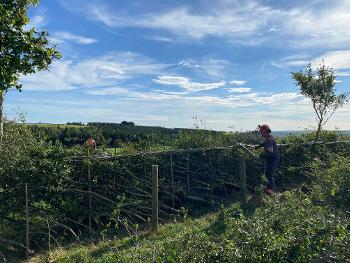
(245, 148)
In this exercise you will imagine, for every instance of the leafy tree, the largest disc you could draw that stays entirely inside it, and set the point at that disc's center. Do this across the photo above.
(22, 51)
(319, 87)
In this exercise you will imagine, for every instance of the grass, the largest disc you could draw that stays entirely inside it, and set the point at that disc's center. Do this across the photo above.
(132, 248)
(286, 227)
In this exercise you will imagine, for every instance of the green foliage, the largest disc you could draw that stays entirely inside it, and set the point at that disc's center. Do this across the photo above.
(26, 159)
(293, 226)
(196, 139)
(287, 228)
(23, 51)
(320, 89)
(333, 182)
(68, 135)
(135, 138)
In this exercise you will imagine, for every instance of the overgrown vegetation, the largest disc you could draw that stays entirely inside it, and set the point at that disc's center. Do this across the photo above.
(59, 201)
(290, 227)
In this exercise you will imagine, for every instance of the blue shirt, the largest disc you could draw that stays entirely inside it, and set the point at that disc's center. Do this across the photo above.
(270, 142)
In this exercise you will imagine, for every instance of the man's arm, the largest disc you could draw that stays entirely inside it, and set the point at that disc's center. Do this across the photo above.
(269, 153)
(260, 145)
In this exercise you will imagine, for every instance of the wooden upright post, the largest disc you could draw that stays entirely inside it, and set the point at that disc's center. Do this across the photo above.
(27, 221)
(243, 180)
(172, 180)
(90, 205)
(154, 221)
(188, 170)
(89, 188)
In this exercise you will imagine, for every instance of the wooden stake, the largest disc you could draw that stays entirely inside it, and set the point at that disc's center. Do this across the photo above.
(188, 170)
(243, 181)
(154, 221)
(172, 180)
(27, 221)
(90, 205)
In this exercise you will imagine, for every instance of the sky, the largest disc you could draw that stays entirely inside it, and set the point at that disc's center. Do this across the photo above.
(164, 62)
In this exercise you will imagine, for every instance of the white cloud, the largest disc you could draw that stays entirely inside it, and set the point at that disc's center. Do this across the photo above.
(292, 61)
(342, 74)
(218, 116)
(238, 82)
(208, 66)
(95, 72)
(134, 95)
(316, 23)
(337, 60)
(108, 91)
(223, 18)
(60, 37)
(239, 90)
(254, 99)
(186, 83)
(231, 101)
(160, 39)
(323, 23)
(37, 21)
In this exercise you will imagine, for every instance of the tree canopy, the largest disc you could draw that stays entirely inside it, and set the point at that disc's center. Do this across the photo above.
(319, 87)
(22, 50)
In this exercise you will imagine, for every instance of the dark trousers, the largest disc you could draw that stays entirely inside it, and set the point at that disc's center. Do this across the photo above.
(270, 168)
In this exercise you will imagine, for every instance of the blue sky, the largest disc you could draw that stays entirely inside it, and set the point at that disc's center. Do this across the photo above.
(164, 62)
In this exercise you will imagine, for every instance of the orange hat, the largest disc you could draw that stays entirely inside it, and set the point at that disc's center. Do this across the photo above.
(91, 142)
(264, 128)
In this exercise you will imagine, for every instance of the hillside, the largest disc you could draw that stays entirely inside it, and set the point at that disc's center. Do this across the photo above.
(287, 227)
(64, 199)
(305, 224)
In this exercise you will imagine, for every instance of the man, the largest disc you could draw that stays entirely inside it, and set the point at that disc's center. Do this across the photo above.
(270, 155)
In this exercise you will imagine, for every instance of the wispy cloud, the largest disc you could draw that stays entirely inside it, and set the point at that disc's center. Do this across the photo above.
(323, 23)
(186, 83)
(338, 60)
(38, 21)
(342, 73)
(62, 36)
(292, 61)
(133, 95)
(208, 66)
(238, 82)
(254, 99)
(104, 71)
(239, 90)
(160, 39)
(224, 19)
(316, 23)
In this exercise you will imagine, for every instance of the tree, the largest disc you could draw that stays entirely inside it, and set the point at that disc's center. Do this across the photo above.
(22, 51)
(319, 87)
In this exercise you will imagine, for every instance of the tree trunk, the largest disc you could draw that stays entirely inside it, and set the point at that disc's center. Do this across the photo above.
(318, 131)
(1, 116)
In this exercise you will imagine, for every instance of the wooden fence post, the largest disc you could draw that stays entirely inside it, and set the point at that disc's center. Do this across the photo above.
(27, 221)
(243, 180)
(282, 165)
(90, 205)
(172, 180)
(154, 221)
(188, 170)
